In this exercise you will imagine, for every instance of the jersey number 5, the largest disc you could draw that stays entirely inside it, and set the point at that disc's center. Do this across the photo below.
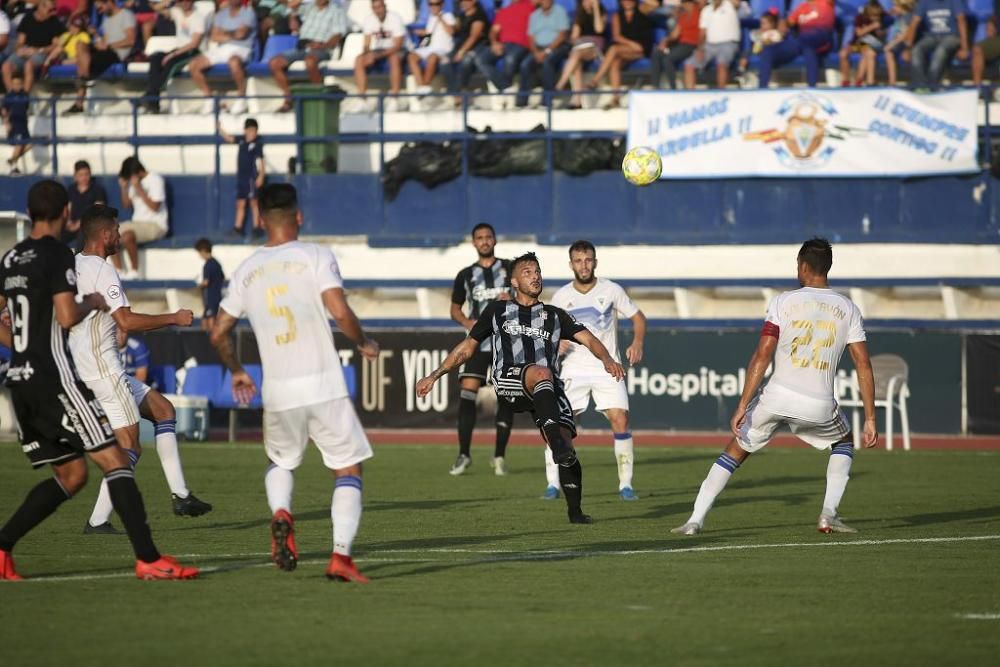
(281, 311)
(827, 333)
(19, 322)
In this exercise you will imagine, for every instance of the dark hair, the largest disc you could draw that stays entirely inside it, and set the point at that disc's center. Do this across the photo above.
(47, 200)
(582, 245)
(817, 254)
(203, 245)
(81, 164)
(96, 218)
(250, 122)
(523, 259)
(278, 197)
(582, 17)
(130, 167)
(484, 225)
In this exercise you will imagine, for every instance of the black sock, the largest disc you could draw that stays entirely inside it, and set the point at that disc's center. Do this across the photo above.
(40, 503)
(127, 501)
(505, 420)
(547, 412)
(571, 481)
(466, 421)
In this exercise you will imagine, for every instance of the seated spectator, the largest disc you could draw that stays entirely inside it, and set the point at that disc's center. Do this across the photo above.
(548, 38)
(678, 46)
(83, 193)
(230, 43)
(146, 194)
(38, 35)
(946, 37)
(321, 26)
(385, 36)
(765, 35)
(14, 110)
(719, 42)
(587, 43)
(632, 38)
(71, 41)
(437, 42)
(469, 39)
(868, 41)
(5, 28)
(902, 15)
(814, 23)
(509, 44)
(113, 46)
(987, 51)
(190, 27)
(273, 18)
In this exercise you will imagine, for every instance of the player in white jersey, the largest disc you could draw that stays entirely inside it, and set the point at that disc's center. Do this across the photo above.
(597, 303)
(289, 290)
(94, 345)
(804, 334)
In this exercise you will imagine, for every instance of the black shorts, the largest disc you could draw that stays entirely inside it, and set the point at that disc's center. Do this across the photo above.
(57, 425)
(510, 387)
(478, 366)
(246, 188)
(102, 61)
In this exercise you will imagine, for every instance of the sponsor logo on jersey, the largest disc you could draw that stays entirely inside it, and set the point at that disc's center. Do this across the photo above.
(515, 329)
(19, 373)
(114, 292)
(30, 447)
(71, 276)
(15, 282)
(482, 293)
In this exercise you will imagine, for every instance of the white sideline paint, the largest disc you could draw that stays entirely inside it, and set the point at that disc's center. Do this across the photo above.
(978, 617)
(495, 555)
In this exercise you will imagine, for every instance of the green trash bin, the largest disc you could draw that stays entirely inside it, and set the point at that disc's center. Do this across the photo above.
(318, 118)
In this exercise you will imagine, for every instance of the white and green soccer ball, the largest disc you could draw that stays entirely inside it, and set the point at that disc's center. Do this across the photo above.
(642, 166)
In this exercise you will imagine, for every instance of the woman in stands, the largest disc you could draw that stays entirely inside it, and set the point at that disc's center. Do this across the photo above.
(587, 37)
(632, 39)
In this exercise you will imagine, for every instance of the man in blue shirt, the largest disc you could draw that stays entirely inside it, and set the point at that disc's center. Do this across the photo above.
(234, 29)
(946, 35)
(249, 174)
(212, 280)
(134, 355)
(548, 37)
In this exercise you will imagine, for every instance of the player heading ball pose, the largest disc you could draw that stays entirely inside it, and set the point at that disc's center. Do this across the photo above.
(804, 333)
(526, 335)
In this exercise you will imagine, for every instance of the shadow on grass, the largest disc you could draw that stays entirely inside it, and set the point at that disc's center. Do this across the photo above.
(980, 514)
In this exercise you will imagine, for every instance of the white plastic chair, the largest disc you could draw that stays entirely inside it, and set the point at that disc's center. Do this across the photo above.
(891, 391)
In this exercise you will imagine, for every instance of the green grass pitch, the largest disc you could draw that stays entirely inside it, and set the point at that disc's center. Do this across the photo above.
(478, 571)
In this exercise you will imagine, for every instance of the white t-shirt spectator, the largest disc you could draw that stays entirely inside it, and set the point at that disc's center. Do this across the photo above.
(189, 26)
(721, 24)
(383, 33)
(4, 27)
(156, 189)
(441, 40)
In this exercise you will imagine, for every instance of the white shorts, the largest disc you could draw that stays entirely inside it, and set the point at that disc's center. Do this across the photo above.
(760, 424)
(332, 425)
(425, 52)
(219, 54)
(607, 392)
(116, 398)
(139, 390)
(145, 232)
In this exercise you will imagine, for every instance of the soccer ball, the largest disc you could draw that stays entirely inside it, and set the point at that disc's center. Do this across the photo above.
(641, 166)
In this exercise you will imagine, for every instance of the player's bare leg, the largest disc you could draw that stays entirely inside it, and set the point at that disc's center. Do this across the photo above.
(718, 476)
(157, 409)
(241, 215)
(100, 518)
(624, 451)
(346, 514)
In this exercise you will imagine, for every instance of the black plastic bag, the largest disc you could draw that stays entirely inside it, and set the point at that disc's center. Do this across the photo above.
(504, 157)
(579, 157)
(426, 162)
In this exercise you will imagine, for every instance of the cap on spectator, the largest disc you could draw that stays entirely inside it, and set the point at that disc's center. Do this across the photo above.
(773, 11)
(80, 21)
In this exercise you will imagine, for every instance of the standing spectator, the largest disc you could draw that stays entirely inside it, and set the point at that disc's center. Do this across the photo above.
(868, 41)
(548, 39)
(632, 38)
(113, 46)
(718, 42)
(471, 29)
(587, 40)
(987, 51)
(678, 46)
(230, 43)
(814, 21)
(249, 173)
(212, 280)
(190, 27)
(321, 27)
(508, 42)
(146, 194)
(15, 118)
(437, 41)
(37, 36)
(83, 193)
(945, 37)
(385, 36)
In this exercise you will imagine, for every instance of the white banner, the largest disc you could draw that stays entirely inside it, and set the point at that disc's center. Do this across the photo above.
(788, 133)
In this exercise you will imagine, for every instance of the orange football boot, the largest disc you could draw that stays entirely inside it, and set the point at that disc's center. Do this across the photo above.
(283, 551)
(342, 568)
(165, 568)
(7, 572)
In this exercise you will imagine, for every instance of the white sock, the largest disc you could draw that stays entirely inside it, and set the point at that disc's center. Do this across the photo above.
(551, 469)
(715, 482)
(279, 483)
(103, 507)
(837, 473)
(625, 456)
(170, 457)
(346, 513)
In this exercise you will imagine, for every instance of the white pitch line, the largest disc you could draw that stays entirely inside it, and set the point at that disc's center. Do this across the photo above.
(978, 617)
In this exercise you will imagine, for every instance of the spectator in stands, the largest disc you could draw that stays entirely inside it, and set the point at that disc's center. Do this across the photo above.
(146, 194)
(719, 42)
(230, 43)
(987, 51)
(212, 280)
(509, 46)
(548, 38)
(83, 193)
(37, 36)
(69, 9)
(321, 26)
(190, 27)
(902, 15)
(868, 41)
(765, 35)
(15, 119)
(632, 38)
(134, 354)
(113, 46)
(249, 173)
(945, 37)
(273, 18)
(678, 46)
(436, 43)
(71, 42)
(813, 21)
(4, 35)
(385, 36)
(470, 38)
(587, 42)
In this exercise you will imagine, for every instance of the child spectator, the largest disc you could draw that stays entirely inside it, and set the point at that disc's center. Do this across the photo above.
(902, 13)
(436, 43)
(15, 118)
(249, 173)
(765, 35)
(869, 39)
(212, 279)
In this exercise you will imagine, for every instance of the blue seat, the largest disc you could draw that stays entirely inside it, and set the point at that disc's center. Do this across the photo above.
(351, 380)
(276, 45)
(203, 381)
(224, 395)
(163, 378)
(981, 9)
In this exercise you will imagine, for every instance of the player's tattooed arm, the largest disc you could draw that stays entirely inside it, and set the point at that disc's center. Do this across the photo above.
(223, 344)
(761, 359)
(596, 347)
(458, 356)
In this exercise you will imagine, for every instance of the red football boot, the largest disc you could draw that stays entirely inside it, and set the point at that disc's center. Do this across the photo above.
(342, 568)
(165, 568)
(283, 551)
(7, 572)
